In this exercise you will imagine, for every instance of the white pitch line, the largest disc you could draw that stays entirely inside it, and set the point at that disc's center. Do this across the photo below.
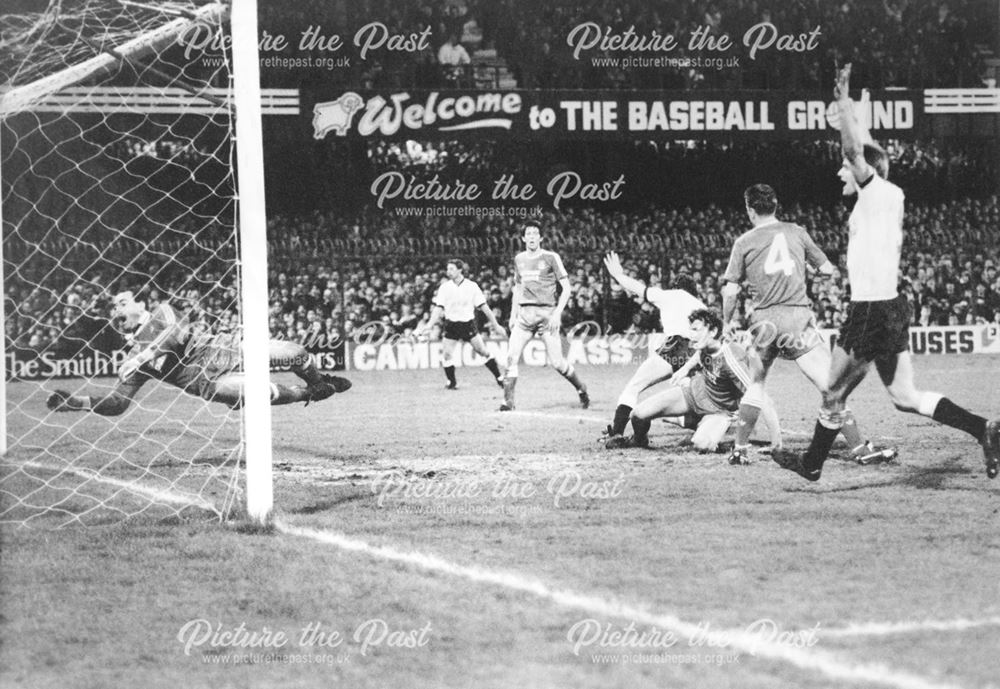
(738, 639)
(887, 628)
(133, 486)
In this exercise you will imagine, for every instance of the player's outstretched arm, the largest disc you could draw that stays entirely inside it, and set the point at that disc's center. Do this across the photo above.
(112, 404)
(730, 293)
(614, 266)
(851, 138)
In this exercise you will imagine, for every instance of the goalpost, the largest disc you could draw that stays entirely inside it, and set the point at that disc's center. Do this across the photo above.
(119, 159)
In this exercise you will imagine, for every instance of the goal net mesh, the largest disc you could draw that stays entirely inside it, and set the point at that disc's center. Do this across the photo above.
(117, 174)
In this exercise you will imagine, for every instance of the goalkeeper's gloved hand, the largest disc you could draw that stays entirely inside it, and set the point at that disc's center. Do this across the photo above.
(59, 401)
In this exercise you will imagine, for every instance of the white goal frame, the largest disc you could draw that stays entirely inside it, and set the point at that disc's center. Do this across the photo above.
(245, 96)
(253, 257)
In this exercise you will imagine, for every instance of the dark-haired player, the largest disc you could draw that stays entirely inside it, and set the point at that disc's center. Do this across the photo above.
(772, 258)
(537, 307)
(457, 299)
(165, 347)
(723, 371)
(674, 306)
(877, 324)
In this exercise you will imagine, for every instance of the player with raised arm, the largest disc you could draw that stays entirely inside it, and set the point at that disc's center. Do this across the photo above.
(674, 306)
(772, 257)
(165, 347)
(723, 372)
(458, 299)
(536, 308)
(877, 324)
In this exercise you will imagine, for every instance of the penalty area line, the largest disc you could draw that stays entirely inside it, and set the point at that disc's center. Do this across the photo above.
(737, 639)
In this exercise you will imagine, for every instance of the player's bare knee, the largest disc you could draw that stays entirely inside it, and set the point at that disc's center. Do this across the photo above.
(906, 399)
(703, 443)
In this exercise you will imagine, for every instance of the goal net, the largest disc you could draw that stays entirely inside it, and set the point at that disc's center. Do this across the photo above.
(117, 175)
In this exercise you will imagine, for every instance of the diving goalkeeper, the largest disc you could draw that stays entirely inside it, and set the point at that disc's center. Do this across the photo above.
(168, 348)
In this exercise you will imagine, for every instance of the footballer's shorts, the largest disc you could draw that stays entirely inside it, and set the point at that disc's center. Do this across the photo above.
(534, 318)
(785, 332)
(876, 328)
(460, 330)
(701, 401)
(206, 359)
(675, 350)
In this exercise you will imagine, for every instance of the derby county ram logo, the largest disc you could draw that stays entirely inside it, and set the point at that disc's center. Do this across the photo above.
(336, 115)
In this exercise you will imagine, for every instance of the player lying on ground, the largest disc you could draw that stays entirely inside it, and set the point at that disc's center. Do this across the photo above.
(724, 371)
(166, 347)
(457, 300)
(878, 318)
(675, 306)
(536, 309)
(771, 258)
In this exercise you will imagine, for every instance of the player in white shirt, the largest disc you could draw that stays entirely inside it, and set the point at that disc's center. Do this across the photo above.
(877, 324)
(458, 299)
(675, 306)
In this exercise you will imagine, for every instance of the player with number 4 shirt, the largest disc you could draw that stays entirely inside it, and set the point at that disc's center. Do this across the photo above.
(771, 258)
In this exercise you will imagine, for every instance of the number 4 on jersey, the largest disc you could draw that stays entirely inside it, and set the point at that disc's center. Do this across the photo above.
(779, 259)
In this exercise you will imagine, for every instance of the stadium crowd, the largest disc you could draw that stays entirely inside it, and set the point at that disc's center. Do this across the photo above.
(950, 265)
(902, 43)
(951, 272)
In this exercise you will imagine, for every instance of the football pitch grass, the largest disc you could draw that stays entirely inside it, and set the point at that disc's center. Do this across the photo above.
(450, 545)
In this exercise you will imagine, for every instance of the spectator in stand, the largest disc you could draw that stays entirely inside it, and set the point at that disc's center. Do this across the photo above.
(453, 58)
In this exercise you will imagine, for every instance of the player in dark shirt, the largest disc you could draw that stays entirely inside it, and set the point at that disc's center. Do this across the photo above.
(724, 371)
(166, 347)
(772, 258)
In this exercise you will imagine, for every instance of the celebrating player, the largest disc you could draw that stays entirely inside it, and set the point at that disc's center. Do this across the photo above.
(877, 324)
(674, 305)
(772, 258)
(168, 348)
(724, 371)
(535, 309)
(457, 299)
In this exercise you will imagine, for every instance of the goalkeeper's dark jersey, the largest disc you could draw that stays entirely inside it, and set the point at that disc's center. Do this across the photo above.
(182, 356)
(167, 335)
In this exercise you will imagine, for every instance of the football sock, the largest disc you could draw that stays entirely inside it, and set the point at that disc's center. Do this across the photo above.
(621, 419)
(770, 415)
(850, 431)
(950, 414)
(491, 364)
(450, 372)
(640, 428)
(744, 425)
(508, 390)
(819, 448)
(570, 375)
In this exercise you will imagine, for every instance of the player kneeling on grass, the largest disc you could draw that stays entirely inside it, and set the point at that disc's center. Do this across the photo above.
(166, 347)
(723, 373)
(457, 299)
(674, 306)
